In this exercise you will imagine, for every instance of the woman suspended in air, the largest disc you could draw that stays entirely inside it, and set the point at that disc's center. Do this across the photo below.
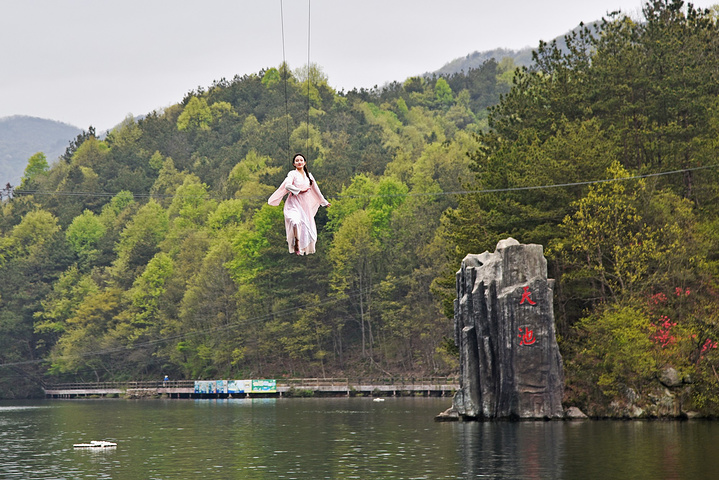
(300, 207)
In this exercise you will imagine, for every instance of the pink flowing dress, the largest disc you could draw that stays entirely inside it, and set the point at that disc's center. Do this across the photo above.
(300, 209)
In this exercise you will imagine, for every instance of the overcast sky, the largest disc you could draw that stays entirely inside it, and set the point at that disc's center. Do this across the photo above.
(93, 63)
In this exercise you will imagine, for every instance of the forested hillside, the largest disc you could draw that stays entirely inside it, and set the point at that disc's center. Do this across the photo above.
(154, 252)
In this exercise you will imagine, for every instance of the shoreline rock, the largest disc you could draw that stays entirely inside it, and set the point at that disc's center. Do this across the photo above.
(510, 365)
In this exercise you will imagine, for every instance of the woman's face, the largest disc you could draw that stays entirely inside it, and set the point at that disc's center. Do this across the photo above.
(299, 161)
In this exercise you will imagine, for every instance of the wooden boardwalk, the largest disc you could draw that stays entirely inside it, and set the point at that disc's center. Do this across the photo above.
(433, 386)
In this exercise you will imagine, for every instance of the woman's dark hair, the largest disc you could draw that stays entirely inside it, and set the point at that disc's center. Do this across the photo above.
(307, 172)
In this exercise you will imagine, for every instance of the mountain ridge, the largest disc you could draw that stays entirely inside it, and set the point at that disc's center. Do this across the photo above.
(521, 57)
(23, 136)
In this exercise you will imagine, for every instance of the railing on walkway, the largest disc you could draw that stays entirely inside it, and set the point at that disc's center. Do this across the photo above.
(386, 381)
(122, 385)
(385, 385)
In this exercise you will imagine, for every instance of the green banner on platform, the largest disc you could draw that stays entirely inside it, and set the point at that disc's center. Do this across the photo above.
(264, 386)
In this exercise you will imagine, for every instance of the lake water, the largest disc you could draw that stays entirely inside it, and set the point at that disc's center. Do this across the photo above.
(335, 438)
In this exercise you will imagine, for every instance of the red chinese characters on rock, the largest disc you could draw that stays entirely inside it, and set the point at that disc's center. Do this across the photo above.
(526, 297)
(527, 336)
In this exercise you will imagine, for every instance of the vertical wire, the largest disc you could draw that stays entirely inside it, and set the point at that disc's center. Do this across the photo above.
(283, 72)
(309, 74)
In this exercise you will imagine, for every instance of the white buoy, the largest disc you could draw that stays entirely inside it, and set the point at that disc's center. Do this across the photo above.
(96, 444)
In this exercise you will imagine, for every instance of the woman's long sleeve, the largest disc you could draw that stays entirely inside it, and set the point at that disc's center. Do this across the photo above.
(287, 186)
(316, 189)
(291, 187)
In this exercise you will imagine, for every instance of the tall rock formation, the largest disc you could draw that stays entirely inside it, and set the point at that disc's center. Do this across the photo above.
(510, 366)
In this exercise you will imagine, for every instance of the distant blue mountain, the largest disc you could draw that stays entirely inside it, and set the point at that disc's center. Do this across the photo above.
(22, 137)
(521, 58)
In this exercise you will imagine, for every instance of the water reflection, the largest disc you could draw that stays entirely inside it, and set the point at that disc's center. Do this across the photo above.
(511, 449)
(588, 450)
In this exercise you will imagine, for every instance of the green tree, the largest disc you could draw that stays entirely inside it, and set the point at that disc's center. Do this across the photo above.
(608, 237)
(302, 336)
(75, 144)
(616, 353)
(167, 182)
(271, 78)
(84, 233)
(28, 237)
(246, 180)
(139, 242)
(195, 116)
(86, 346)
(443, 92)
(146, 295)
(36, 165)
(354, 255)
(67, 294)
(191, 203)
(209, 311)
